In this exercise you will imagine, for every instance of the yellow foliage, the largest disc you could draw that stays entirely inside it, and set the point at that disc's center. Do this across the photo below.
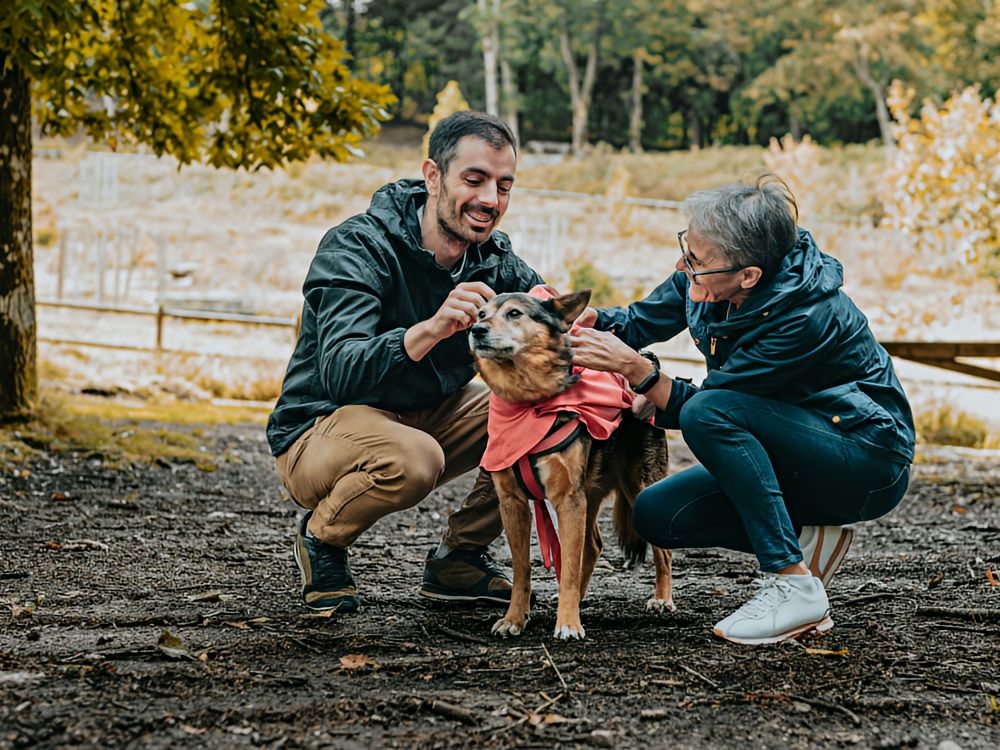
(942, 186)
(449, 101)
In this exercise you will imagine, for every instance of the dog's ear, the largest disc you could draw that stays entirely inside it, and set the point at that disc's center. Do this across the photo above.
(569, 306)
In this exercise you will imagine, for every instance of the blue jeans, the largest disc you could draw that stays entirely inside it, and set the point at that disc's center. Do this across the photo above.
(767, 469)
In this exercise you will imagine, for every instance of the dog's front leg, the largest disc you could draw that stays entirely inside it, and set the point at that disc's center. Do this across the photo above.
(663, 598)
(516, 514)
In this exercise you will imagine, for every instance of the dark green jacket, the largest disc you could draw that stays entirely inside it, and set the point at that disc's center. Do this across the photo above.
(798, 339)
(369, 281)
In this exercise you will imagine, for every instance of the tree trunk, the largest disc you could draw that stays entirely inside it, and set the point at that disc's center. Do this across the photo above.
(18, 371)
(694, 129)
(349, 31)
(490, 40)
(635, 121)
(877, 90)
(580, 92)
(511, 98)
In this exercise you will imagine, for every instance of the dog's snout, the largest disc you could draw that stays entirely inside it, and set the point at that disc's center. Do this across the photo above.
(479, 330)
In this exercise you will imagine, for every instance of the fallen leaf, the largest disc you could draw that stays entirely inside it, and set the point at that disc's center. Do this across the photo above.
(357, 661)
(59, 496)
(188, 729)
(536, 719)
(959, 509)
(994, 704)
(327, 613)
(935, 580)
(259, 620)
(172, 646)
(241, 625)
(826, 651)
(992, 578)
(53, 545)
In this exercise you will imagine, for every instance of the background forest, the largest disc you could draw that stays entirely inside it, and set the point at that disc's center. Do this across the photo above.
(667, 74)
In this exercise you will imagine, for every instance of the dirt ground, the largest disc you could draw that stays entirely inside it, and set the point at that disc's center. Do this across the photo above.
(157, 607)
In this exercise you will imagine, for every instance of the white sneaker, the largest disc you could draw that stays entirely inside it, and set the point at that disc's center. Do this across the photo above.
(824, 549)
(785, 606)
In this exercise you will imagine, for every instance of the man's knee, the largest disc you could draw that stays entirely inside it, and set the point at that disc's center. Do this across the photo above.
(414, 470)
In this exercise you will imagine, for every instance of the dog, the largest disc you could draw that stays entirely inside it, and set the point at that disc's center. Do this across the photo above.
(521, 349)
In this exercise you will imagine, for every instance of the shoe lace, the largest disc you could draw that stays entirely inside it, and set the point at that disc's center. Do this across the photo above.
(772, 590)
(488, 564)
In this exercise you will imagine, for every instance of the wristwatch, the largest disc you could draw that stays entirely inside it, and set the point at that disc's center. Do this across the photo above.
(653, 378)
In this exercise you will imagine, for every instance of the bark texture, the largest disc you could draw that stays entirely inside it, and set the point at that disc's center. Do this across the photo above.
(18, 372)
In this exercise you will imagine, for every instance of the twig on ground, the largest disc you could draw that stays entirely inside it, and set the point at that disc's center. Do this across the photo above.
(962, 614)
(552, 663)
(450, 710)
(461, 636)
(822, 704)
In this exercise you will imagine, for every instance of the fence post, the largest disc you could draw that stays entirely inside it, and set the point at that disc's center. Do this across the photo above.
(159, 327)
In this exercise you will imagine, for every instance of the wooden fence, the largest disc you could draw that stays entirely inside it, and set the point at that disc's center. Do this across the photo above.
(944, 355)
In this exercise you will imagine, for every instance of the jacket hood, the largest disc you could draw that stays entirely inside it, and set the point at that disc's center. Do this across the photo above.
(805, 276)
(395, 207)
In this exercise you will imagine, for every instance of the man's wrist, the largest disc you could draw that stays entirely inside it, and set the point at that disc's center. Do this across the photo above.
(652, 376)
(639, 369)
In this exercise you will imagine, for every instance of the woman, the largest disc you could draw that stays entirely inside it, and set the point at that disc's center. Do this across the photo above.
(801, 425)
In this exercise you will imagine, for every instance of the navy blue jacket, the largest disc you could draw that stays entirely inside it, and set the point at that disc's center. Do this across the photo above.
(797, 338)
(369, 281)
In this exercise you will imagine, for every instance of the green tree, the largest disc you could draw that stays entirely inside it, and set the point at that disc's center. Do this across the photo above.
(235, 83)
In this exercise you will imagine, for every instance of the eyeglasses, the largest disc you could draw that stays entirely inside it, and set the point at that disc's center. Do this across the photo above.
(692, 274)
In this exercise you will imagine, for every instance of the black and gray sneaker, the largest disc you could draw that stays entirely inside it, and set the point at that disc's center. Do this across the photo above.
(465, 576)
(327, 582)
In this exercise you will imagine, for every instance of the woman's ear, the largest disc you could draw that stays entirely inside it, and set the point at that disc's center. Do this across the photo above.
(751, 277)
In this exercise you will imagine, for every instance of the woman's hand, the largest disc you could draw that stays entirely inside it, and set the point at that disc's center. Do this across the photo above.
(601, 350)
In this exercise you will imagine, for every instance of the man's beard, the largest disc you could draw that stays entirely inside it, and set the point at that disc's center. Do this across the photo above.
(449, 221)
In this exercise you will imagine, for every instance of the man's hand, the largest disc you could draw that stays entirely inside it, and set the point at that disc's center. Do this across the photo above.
(643, 408)
(587, 318)
(457, 313)
(459, 309)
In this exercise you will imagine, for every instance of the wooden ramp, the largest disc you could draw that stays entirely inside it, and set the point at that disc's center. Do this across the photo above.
(946, 355)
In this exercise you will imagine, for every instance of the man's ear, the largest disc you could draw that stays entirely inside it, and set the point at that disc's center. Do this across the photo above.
(751, 277)
(569, 306)
(432, 176)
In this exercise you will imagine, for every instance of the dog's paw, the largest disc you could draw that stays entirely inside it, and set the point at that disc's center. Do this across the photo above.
(570, 633)
(504, 628)
(660, 606)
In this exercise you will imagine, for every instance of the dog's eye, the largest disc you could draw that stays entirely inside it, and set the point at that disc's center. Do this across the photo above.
(481, 315)
(515, 313)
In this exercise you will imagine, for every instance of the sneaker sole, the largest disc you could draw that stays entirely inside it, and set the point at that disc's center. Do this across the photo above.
(837, 558)
(820, 627)
(440, 596)
(339, 607)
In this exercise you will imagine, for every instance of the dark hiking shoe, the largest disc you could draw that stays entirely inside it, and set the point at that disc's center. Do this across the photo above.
(465, 576)
(327, 582)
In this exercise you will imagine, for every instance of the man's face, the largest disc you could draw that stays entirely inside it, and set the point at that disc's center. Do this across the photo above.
(472, 197)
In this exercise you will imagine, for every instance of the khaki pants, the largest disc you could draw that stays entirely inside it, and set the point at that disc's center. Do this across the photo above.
(360, 463)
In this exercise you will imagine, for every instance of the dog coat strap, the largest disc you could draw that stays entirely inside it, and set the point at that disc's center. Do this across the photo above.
(548, 538)
(558, 438)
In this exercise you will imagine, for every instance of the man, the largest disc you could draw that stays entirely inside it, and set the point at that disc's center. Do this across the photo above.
(377, 408)
(801, 426)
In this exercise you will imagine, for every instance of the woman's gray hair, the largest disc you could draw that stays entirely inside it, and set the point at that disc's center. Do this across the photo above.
(753, 224)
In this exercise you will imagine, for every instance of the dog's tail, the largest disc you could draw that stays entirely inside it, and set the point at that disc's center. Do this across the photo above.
(640, 460)
(633, 546)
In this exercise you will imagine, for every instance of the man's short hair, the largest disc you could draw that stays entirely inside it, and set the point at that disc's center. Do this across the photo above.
(753, 224)
(453, 128)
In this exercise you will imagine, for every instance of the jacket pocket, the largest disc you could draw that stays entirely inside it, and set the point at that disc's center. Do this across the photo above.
(847, 407)
(881, 501)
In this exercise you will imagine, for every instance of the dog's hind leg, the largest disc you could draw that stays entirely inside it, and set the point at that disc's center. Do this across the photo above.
(663, 597)
(592, 543)
(516, 514)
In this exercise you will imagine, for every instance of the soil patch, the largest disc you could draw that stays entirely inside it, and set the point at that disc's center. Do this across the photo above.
(157, 607)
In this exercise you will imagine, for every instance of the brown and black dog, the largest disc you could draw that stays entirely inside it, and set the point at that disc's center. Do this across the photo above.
(521, 348)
